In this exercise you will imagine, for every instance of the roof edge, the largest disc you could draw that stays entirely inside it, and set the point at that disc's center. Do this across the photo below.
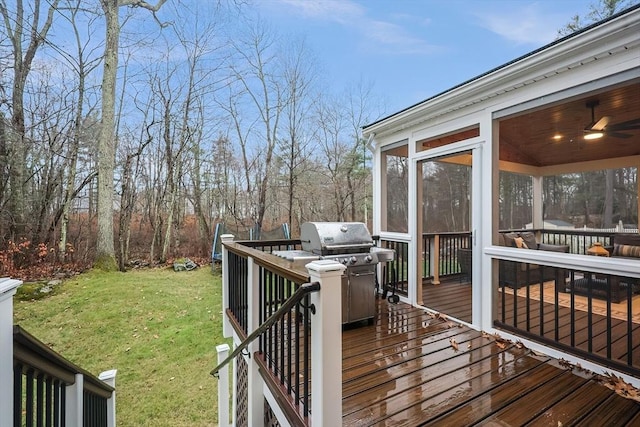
(505, 65)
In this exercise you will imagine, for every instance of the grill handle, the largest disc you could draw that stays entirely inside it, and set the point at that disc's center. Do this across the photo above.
(348, 246)
(369, 273)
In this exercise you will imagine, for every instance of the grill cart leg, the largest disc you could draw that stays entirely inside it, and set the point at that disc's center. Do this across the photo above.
(393, 298)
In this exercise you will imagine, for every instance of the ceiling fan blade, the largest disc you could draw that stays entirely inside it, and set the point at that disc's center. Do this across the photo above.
(617, 134)
(628, 125)
(600, 124)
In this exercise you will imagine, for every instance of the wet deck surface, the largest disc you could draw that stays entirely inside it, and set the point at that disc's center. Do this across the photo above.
(452, 296)
(410, 368)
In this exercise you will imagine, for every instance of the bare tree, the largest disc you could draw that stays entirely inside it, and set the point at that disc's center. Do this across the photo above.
(105, 251)
(259, 78)
(26, 37)
(598, 11)
(362, 108)
(83, 63)
(296, 146)
(339, 121)
(331, 125)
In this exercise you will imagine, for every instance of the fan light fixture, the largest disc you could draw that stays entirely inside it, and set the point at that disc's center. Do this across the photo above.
(593, 135)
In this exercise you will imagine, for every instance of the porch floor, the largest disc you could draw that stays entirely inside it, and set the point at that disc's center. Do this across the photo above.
(452, 296)
(411, 368)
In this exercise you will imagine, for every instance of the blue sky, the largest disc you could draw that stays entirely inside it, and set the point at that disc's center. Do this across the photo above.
(413, 49)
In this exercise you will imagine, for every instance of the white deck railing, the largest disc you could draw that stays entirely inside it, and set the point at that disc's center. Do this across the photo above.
(326, 348)
(40, 387)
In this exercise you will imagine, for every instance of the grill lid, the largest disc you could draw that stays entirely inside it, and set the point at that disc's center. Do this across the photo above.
(335, 237)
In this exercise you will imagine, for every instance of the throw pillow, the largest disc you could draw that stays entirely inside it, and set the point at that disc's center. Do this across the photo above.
(626, 250)
(520, 243)
(509, 239)
(530, 239)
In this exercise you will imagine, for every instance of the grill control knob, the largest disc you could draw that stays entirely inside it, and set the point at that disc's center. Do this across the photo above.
(345, 261)
(368, 258)
(353, 260)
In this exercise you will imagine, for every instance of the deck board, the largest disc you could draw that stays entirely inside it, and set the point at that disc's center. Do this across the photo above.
(410, 374)
(402, 369)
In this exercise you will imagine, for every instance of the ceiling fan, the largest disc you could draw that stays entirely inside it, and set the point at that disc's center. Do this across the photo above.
(597, 129)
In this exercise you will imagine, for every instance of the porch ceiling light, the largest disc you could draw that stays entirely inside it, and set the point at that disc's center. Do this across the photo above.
(593, 135)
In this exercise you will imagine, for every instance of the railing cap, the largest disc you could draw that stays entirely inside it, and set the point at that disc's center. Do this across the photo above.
(222, 348)
(107, 375)
(322, 266)
(8, 285)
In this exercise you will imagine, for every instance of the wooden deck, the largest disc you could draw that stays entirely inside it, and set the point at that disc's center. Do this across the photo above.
(411, 368)
(452, 296)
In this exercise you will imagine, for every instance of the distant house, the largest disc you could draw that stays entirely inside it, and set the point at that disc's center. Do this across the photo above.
(552, 224)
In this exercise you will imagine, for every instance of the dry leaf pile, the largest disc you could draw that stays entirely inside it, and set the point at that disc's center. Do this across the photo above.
(621, 387)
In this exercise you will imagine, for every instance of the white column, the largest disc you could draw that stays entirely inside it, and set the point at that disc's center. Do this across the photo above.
(487, 228)
(7, 291)
(226, 326)
(223, 387)
(326, 343)
(254, 379)
(74, 405)
(415, 294)
(109, 378)
(537, 203)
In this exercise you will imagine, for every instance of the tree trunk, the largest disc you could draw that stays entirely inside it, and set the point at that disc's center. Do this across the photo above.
(105, 251)
(21, 67)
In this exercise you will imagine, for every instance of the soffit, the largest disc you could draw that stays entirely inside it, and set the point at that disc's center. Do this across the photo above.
(528, 138)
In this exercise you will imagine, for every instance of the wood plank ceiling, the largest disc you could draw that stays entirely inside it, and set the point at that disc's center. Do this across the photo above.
(529, 138)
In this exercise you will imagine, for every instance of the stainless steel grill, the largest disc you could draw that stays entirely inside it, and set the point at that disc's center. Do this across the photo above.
(350, 244)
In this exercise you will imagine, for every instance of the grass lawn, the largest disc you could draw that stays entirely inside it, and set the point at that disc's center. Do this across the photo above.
(157, 327)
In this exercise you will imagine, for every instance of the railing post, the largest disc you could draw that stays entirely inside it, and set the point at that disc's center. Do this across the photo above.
(434, 255)
(255, 383)
(226, 325)
(7, 291)
(326, 343)
(109, 378)
(223, 387)
(73, 409)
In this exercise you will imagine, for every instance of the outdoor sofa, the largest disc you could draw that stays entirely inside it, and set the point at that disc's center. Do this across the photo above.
(517, 274)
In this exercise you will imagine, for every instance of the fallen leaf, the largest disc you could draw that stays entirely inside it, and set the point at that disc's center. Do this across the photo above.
(454, 344)
(621, 387)
(565, 364)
